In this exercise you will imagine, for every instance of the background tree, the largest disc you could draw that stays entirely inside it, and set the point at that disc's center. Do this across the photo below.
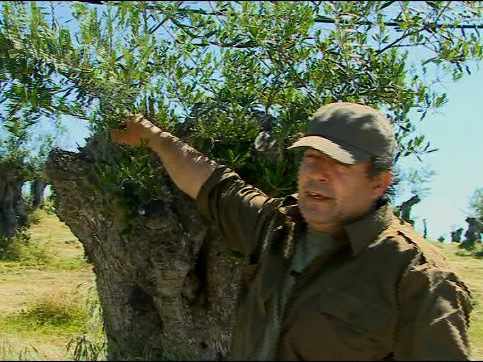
(474, 222)
(14, 173)
(39, 180)
(414, 183)
(26, 87)
(19, 163)
(476, 204)
(236, 80)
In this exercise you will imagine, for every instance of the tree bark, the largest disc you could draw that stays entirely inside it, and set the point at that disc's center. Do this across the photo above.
(166, 284)
(13, 214)
(37, 189)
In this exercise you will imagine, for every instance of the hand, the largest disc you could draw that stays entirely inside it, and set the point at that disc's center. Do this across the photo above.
(134, 131)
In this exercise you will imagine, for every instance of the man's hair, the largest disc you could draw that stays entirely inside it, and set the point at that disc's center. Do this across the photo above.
(378, 164)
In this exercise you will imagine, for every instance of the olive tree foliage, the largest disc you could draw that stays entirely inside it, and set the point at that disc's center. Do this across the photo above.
(22, 156)
(476, 204)
(24, 86)
(237, 80)
(18, 165)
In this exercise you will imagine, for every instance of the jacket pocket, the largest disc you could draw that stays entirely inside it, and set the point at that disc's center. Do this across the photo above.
(360, 324)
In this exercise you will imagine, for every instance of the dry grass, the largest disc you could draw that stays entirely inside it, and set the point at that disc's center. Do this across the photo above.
(43, 302)
(14, 352)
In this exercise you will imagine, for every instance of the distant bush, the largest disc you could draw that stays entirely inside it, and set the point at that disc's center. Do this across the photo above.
(475, 250)
(49, 205)
(60, 310)
(34, 217)
(21, 248)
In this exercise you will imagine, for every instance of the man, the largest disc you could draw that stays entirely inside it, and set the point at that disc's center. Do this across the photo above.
(333, 274)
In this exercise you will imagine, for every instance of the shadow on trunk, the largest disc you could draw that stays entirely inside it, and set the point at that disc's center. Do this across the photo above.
(165, 282)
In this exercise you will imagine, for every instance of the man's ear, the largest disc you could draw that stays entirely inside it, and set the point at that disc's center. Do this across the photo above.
(381, 182)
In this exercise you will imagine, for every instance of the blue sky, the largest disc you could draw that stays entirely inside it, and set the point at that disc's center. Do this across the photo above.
(457, 131)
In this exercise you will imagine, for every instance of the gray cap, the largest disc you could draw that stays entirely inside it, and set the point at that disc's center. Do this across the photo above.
(349, 133)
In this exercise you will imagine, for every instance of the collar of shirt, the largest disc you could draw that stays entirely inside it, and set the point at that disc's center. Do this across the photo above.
(360, 232)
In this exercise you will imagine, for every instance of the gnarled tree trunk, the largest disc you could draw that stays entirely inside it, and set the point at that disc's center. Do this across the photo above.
(37, 189)
(166, 285)
(12, 207)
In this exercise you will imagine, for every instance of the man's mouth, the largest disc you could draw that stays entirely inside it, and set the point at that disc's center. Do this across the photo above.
(316, 196)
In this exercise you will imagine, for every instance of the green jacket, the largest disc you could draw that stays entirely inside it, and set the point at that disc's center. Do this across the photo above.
(386, 294)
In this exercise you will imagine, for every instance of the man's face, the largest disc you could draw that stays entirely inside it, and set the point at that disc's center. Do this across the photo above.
(332, 193)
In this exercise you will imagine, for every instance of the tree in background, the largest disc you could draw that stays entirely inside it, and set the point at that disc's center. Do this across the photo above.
(456, 235)
(26, 88)
(476, 204)
(19, 164)
(13, 173)
(39, 181)
(415, 183)
(237, 81)
(474, 220)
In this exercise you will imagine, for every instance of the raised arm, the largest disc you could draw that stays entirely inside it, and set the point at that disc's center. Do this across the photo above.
(188, 168)
(240, 211)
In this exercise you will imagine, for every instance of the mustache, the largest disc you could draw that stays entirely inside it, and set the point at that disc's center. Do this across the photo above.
(318, 188)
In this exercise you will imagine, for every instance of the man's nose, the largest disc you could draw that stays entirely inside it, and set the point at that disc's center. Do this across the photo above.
(322, 176)
(321, 172)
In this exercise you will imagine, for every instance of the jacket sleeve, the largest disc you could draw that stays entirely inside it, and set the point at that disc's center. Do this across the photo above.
(240, 211)
(434, 316)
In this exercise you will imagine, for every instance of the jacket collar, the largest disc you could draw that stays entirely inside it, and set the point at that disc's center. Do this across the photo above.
(361, 232)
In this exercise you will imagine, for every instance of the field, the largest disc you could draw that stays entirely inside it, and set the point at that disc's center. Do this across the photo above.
(470, 269)
(46, 295)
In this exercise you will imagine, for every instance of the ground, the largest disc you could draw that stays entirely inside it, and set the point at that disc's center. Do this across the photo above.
(56, 286)
(44, 302)
(470, 269)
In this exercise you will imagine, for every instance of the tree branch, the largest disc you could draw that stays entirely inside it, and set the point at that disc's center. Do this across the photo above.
(402, 37)
(246, 45)
(318, 19)
(394, 23)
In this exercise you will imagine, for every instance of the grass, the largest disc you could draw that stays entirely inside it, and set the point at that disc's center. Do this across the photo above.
(45, 293)
(11, 352)
(73, 317)
(470, 269)
(49, 245)
(62, 326)
(62, 313)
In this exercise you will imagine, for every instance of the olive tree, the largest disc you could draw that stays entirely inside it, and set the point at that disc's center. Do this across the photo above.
(237, 80)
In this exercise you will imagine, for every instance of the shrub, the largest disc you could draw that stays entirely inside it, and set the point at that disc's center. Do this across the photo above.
(60, 310)
(21, 248)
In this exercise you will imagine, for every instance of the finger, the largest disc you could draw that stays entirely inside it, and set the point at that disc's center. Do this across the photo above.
(133, 116)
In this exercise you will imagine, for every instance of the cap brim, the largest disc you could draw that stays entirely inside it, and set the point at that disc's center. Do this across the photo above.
(344, 154)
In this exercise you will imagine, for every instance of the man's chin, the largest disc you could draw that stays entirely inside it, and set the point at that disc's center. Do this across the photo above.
(318, 206)
(315, 215)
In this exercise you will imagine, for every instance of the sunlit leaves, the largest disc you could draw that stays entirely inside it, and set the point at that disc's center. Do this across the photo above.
(476, 204)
